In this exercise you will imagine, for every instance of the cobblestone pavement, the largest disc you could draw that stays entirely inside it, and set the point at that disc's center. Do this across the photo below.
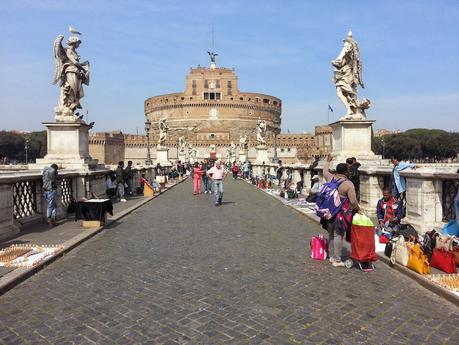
(182, 271)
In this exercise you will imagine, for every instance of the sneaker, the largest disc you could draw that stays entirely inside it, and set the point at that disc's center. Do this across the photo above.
(332, 260)
(338, 264)
(123, 200)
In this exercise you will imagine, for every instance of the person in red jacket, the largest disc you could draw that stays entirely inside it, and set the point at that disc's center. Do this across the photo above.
(197, 172)
(235, 170)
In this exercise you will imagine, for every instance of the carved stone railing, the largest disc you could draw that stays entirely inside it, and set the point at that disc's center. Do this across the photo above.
(431, 189)
(22, 201)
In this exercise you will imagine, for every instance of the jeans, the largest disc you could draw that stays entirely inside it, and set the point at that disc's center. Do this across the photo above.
(130, 183)
(120, 188)
(51, 199)
(207, 183)
(218, 189)
(246, 174)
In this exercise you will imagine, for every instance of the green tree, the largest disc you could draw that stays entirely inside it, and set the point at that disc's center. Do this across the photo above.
(11, 145)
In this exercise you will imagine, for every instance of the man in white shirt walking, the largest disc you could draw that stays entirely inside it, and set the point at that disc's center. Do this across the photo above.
(217, 173)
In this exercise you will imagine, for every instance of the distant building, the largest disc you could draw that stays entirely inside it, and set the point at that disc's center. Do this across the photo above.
(382, 132)
(211, 113)
(323, 140)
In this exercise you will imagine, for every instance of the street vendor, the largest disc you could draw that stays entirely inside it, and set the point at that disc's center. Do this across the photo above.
(389, 211)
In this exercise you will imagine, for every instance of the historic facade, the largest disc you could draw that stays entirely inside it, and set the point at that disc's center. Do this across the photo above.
(210, 115)
(212, 111)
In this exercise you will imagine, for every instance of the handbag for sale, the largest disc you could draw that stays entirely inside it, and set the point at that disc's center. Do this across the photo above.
(455, 252)
(400, 251)
(417, 260)
(443, 260)
(444, 242)
(388, 249)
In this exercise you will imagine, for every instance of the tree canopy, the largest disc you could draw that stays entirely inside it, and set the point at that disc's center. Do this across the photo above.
(12, 145)
(418, 143)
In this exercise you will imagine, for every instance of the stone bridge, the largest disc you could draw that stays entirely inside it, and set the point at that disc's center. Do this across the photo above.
(181, 271)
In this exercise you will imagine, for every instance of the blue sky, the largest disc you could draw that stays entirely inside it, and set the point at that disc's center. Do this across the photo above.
(138, 49)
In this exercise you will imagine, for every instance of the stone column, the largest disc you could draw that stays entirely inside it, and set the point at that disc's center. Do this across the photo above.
(352, 138)
(370, 192)
(423, 203)
(262, 155)
(7, 226)
(162, 156)
(243, 155)
(182, 157)
(68, 147)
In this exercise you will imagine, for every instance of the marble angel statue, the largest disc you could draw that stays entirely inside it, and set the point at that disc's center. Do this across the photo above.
(261, 131)
(243, 142)
(182, 144)
(70, 74)
(163, 128)
(347, 76)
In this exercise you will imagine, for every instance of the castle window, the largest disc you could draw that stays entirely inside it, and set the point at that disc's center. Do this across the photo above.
(265, 100)
(212, 136)
(288, 149)
(212, 95)
(193, 85)
(241, 99)
(229, 85)
(217, 84)
(275, 102)
(206, 84)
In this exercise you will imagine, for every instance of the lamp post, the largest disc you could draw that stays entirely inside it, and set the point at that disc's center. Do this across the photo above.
(26, 147)
(147, 132)
(383, 147)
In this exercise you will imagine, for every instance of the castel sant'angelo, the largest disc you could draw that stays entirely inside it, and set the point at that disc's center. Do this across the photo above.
(210, 115)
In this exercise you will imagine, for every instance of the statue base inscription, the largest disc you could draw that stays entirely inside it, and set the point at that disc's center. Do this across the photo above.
(68, 147)
(352, 138)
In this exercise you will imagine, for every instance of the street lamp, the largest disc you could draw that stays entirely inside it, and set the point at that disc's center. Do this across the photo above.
(383, 147)
(147, 132)
(26, 147)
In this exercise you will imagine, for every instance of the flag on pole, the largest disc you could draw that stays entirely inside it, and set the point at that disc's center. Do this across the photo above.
(330, 108)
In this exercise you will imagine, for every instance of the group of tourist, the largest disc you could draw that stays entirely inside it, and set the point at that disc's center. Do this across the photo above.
(209, 175)
(120, 183)
(390, 209)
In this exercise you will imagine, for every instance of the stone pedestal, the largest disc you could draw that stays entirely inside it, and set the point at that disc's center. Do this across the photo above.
(352, 138)
(243, 155)
(162, 156)
(68, 147)
(182, 157)
(262, 155)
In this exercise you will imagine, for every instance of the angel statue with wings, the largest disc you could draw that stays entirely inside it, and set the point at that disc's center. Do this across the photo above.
(347, 76)
(261, 130)
(71, 74)
(212, 56)
(243, 142)
(182, 144)
(163, 128)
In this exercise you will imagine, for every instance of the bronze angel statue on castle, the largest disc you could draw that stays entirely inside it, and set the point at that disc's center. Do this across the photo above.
(71, 74)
